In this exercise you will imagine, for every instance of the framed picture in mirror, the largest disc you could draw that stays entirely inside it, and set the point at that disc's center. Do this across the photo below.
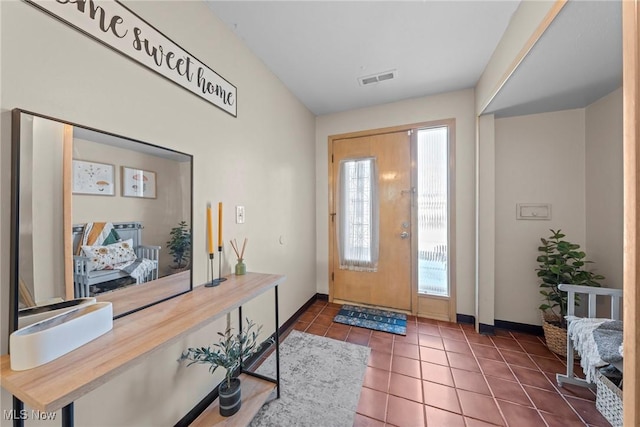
(138, 183)
(93, 178)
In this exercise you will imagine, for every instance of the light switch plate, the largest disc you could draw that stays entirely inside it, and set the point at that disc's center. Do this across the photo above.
(239, 214)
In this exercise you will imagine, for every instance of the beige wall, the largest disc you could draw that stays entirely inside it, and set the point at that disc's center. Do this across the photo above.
(458, 105)
(603, 182)
(264, 160)
(540, 158)
(486, 221)
(573, 160)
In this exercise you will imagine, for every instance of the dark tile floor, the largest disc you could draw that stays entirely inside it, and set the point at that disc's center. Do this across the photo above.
(446, 375)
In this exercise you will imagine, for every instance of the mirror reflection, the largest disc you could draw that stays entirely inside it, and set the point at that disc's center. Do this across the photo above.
(97, 217)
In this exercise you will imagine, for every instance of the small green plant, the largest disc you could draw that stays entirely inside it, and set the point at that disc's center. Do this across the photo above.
(228, 353)
(561, 262)
(180, 244)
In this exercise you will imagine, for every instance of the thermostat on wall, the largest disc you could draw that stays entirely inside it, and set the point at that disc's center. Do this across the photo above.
(533, 211)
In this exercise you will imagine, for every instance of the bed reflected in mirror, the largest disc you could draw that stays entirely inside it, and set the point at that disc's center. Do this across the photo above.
(93, 213)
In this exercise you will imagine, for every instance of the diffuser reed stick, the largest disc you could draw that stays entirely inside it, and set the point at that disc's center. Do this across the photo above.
(244, 245)
(234, 245)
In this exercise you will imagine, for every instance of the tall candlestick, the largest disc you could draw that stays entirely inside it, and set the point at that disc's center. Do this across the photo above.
(209, 230)
(220, 279)
(220, 225)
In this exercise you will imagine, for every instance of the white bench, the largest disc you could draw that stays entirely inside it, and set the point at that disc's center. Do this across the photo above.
(592, 293)
(83, 277)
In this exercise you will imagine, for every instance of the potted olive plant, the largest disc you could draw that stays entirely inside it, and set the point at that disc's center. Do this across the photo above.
(180, 246)
(228, 353)
(560, 262)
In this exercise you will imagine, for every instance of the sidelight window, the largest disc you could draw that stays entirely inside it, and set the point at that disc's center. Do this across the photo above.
(432, 210)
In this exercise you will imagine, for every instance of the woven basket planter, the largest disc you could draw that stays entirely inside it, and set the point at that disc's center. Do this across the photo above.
(609, 400)
(555, 336)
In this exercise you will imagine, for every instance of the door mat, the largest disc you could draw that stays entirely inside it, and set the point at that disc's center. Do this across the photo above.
(371, 318)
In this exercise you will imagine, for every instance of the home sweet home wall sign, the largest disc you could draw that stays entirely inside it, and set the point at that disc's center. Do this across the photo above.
(114, 25)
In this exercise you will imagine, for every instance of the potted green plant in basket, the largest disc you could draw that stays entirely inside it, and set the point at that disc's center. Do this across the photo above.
(228, 353)
(560, 262)
(180, 246)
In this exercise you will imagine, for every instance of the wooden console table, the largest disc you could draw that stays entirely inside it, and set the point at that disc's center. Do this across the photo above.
(132, 339)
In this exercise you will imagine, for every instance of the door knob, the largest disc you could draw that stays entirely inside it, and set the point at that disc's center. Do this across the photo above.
(404, 235)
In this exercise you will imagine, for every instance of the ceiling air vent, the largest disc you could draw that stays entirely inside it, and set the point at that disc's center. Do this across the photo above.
(377, 78)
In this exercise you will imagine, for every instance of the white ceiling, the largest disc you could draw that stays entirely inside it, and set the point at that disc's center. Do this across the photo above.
(577, 61)
(318, 49)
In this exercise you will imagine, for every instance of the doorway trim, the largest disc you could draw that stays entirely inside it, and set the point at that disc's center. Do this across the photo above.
(631, 257)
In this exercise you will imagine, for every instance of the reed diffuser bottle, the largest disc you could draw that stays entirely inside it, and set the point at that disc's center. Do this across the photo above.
(241, 267)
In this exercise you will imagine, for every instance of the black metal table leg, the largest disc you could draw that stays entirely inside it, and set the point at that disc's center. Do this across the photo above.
(18, 412)
(240, 331)
(277, 345)
(67, 415)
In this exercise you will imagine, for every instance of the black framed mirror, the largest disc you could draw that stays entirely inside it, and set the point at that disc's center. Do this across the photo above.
(92, 213)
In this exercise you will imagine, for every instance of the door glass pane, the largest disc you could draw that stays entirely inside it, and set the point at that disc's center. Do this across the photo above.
(432, 197)
(358, 224)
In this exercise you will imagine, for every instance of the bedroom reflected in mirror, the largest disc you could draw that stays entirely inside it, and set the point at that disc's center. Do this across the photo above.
(92, 214)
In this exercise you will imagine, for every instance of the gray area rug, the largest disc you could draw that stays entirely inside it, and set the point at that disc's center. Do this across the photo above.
(321, 380)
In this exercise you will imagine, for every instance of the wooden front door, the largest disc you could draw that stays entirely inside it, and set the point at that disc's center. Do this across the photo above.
(389, 284)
